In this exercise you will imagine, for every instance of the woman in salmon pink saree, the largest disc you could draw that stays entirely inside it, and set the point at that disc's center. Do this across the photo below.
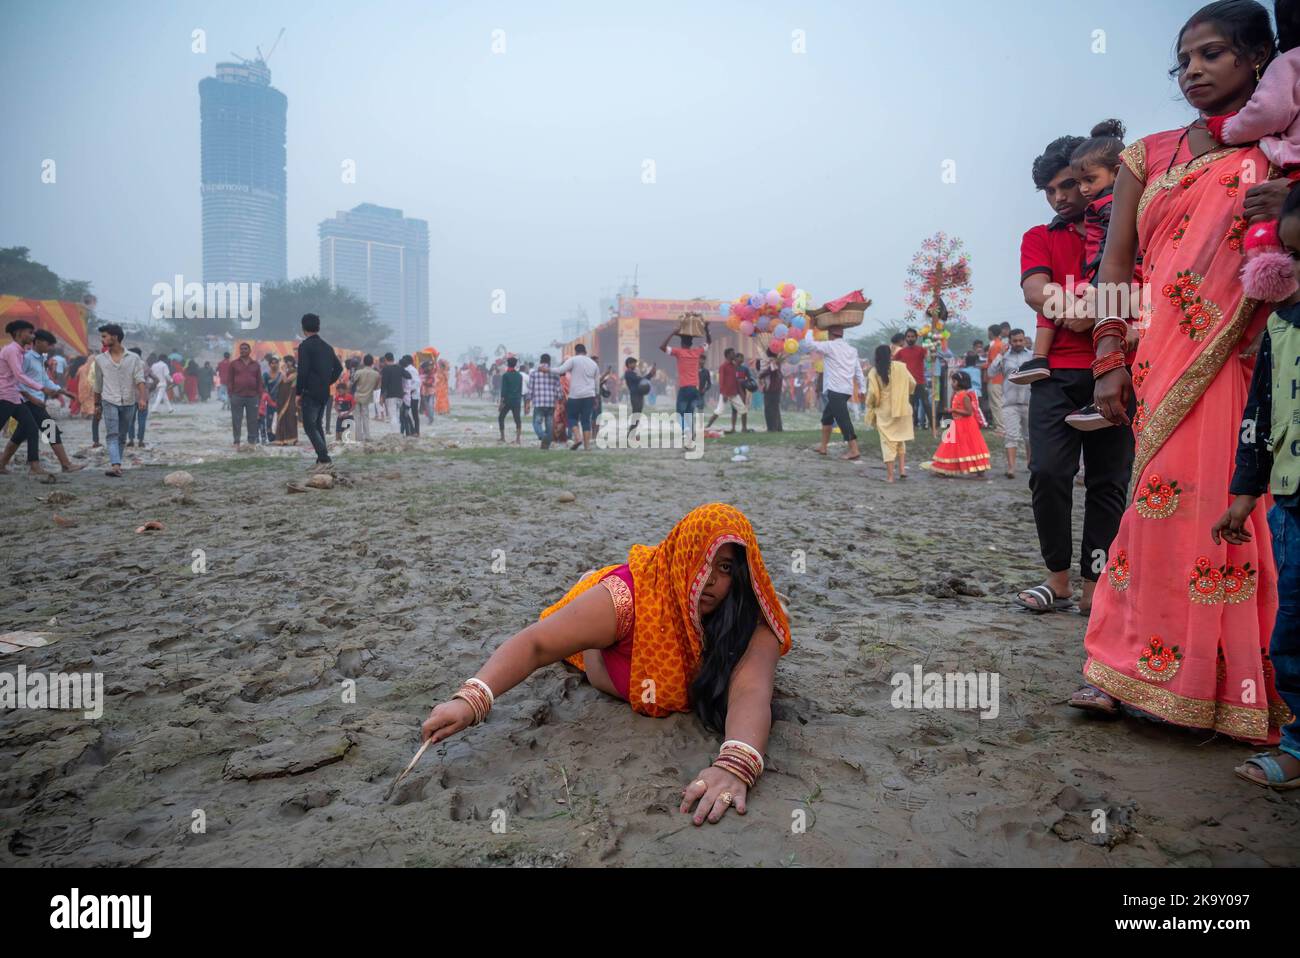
(1180, 626)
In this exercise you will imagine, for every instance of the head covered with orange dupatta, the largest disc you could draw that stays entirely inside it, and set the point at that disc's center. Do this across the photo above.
(668, 578)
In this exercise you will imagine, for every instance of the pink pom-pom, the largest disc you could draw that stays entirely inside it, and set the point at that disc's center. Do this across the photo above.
(1269, 277)
(1261, 236)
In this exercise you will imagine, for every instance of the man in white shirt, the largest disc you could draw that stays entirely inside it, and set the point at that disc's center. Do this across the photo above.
(164, 377)
(119, 382)
(842, 369)
(584, 380)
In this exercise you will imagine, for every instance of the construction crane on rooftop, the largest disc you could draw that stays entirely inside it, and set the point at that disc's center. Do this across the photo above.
(260, 57)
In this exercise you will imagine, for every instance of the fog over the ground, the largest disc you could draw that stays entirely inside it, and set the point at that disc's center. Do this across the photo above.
(822, 167)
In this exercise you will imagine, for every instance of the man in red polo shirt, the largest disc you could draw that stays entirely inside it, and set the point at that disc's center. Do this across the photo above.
(914, 358)
(1051, 257)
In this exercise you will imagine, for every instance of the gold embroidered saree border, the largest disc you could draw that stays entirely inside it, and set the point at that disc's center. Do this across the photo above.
(623, 609)
(1235, 720)
(1135, 158)
(1191, 385)
(1170, 179)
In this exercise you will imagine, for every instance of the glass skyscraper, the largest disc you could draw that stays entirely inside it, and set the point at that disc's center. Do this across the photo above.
(382, 257)
(242, 128)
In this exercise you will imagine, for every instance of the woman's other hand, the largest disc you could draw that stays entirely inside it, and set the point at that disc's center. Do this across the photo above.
(707, 789)
(1111, 395)
(446, 720)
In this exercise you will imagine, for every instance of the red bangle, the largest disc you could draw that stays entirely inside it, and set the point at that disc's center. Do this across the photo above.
(1112, 326)
(1107, 363)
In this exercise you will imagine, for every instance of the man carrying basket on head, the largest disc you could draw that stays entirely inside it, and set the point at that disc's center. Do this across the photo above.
(843, 368)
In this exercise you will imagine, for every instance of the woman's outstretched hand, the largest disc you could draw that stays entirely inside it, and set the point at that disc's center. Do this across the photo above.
(446, 720)
(1111, 395)
(708, 789)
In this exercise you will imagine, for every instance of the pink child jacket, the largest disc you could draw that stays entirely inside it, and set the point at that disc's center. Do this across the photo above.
(1273, 114)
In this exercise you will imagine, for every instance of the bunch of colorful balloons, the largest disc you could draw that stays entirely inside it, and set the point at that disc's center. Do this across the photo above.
(779, 313)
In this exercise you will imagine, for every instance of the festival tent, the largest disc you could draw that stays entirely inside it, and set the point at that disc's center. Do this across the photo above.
(66, 320)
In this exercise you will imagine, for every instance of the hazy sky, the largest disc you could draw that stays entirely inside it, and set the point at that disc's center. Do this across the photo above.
(822, 168)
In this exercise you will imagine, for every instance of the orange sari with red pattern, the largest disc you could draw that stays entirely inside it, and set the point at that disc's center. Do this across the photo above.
(1180, 627)
(441, 402)
(667, 634)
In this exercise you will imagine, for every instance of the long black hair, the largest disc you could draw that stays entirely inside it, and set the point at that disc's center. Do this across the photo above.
(882, 361)
(727, 631)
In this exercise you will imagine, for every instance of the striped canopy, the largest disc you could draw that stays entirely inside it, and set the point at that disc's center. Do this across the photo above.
(66, 320)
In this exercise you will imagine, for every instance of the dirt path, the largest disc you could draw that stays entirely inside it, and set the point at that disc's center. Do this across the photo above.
(227, 688)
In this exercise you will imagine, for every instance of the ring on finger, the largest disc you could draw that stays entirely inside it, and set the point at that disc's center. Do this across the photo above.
(699, 781)
(727, 798)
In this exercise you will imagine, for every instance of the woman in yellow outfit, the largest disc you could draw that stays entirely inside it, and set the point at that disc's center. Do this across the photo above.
(889, 409)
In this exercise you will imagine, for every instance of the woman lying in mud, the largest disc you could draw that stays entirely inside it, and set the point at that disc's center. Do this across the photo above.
(692, 624)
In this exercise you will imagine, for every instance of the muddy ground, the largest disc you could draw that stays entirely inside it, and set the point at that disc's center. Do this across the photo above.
(227, 688)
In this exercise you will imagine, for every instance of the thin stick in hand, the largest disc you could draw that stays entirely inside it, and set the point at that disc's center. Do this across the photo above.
(398, 781)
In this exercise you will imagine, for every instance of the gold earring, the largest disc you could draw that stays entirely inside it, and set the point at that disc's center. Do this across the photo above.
(1258, 75)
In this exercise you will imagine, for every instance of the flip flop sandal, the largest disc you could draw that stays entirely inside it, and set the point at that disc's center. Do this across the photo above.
(1275, 778)
(1090, 699)
(850, 458)
(819, 452)
(1048, 600)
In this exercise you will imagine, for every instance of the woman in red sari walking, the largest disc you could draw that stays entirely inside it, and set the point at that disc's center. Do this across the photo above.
(1180, 626)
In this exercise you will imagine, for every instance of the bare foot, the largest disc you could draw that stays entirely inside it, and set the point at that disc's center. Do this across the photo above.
(73, 467)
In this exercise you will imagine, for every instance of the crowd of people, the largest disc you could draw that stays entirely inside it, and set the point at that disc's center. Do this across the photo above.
(399, 392)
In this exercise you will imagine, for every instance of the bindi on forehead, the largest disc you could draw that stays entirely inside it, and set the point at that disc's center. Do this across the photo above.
(1199, 37)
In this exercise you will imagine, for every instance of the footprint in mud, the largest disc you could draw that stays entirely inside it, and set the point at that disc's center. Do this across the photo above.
(301, 804)
(931, 735)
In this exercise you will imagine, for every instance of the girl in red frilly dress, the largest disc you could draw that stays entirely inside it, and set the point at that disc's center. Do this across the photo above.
(963, 451)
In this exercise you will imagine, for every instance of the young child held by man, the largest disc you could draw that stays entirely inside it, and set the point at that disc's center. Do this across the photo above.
(1095, 164)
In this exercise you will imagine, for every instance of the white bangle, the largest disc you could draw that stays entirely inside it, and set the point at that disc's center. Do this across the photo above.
(486, 691)
(748, 749)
